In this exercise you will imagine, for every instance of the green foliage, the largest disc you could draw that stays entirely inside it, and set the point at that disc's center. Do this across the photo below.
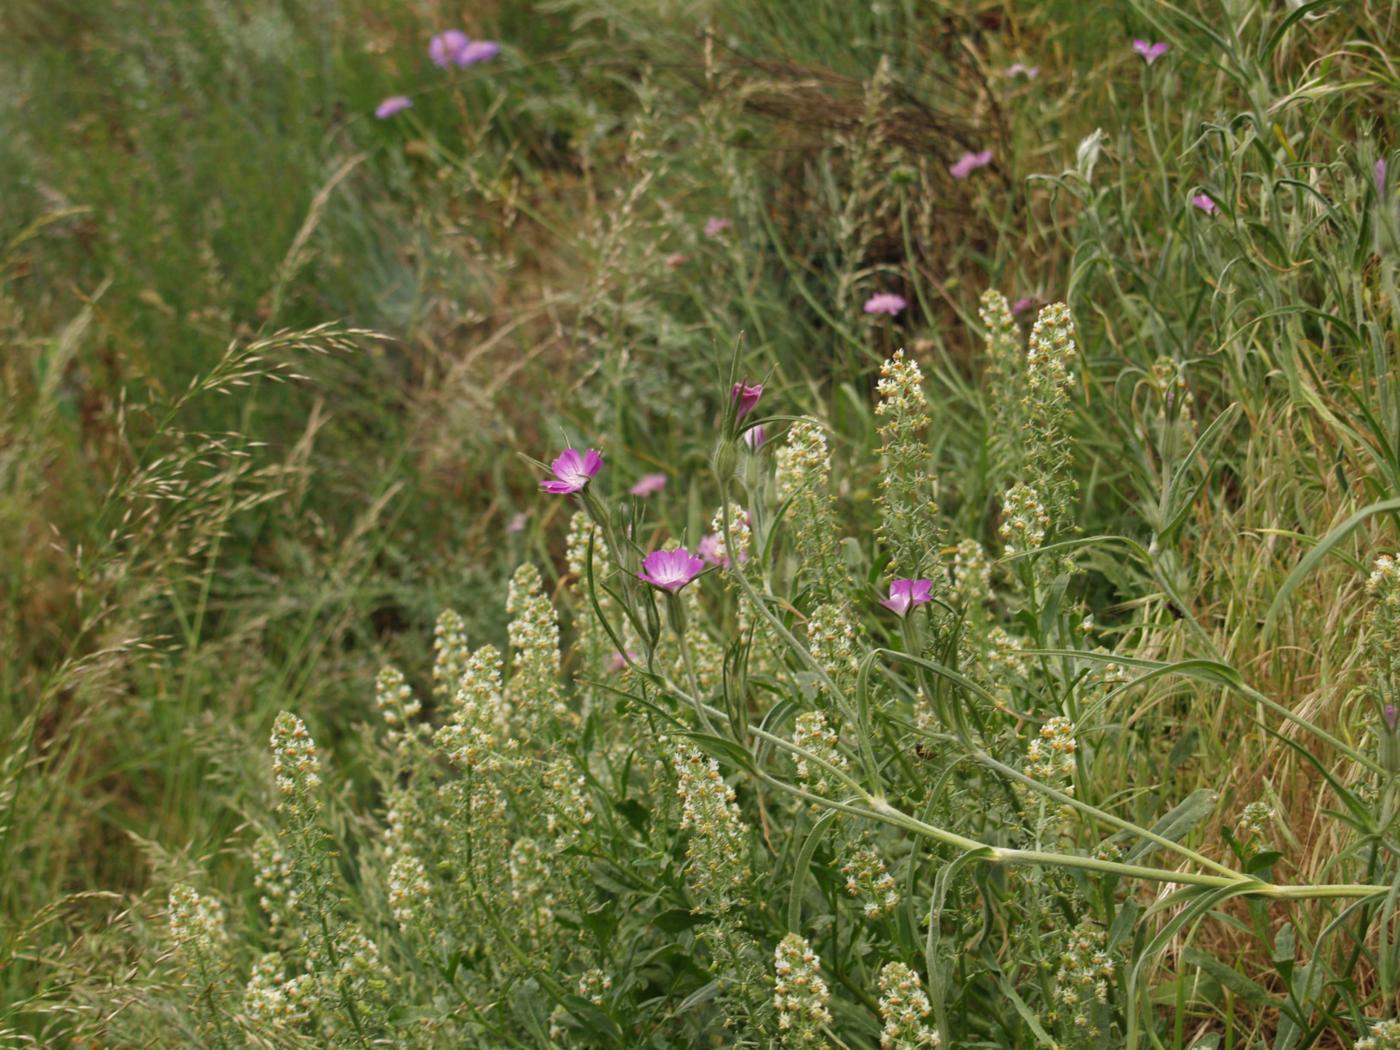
(1128, 780)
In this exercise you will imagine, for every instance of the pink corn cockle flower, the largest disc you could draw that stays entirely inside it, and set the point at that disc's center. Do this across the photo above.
(715, 225)
(1381, 169)
(709, 549)
(516, 523)
(618, 661)
(885, 303)
(475, 51)
(970, 162)
(444, 48)
(905, 594)
(670, 570)
(676, 260)
(754, 437)
(391, 105)
(648, 484)
(747, 396)
(1392, 717)
(1020, 69)
(1204, 202)
(1021, 305)
(573, 470)
(1150, 52)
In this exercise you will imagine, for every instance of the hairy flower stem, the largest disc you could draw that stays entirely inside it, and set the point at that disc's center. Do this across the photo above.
(675, 610)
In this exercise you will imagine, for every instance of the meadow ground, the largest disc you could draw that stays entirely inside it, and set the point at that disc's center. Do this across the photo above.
(284, 367)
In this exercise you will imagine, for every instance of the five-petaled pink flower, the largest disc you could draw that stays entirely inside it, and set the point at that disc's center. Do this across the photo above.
(754, 437)
(970, 162)
(1021, 305)
(391, 105)
(455, 48)
(1203, 201)
(905, 594)
(885, 303)
(648, 484)
(573, 470)
(1020, 69)
(715, 225)
(670, 570)
(747, 396)
(444, 48)
(1150, 52)
(709, 549)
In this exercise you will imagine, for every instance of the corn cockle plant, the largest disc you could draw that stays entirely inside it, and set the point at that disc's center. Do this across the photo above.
(799, 789)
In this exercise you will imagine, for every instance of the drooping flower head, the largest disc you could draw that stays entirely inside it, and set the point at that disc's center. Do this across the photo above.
(970, 162)
(754, 437)
(885, 303)
(905, 594)
(444, 48)
(573, 470)
(715, 225)
(670, 570)
(1150, 52)
(1203, 201)
(746, 396)
(391, 105)
(648, 484)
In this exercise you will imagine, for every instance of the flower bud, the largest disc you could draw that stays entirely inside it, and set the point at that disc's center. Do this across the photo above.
(725, 459)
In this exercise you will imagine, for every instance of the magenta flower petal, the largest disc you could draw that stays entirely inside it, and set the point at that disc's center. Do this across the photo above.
(444, 48)
(572, 471)
(391, 105)
(1380, 175)
(648, 484)
(747, 396)
(708, 549)
(474, 51)
(1020, 69)
(670, 570)
(905, 594)
(1021, 305)
(1204, 202)
(1150, 52)
(754, 437)
(970, 162)
(885, 303)
(715, 225)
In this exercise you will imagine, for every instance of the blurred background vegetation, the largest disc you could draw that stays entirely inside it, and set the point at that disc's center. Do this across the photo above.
(268, 361)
